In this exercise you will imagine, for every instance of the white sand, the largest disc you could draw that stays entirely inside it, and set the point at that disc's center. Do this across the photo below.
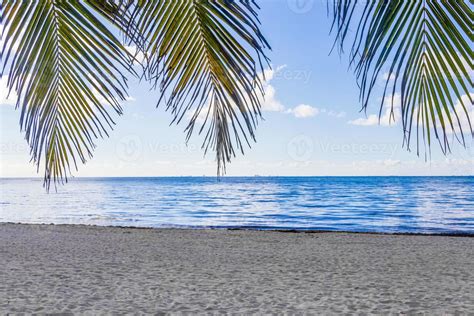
(80, 269)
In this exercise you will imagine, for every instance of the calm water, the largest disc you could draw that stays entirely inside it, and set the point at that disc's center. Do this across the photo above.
(379, 204)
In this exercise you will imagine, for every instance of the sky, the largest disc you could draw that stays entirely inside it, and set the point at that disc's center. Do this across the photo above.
(312, 123)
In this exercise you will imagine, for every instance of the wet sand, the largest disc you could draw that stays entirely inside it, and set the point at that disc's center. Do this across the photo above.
(86, 269)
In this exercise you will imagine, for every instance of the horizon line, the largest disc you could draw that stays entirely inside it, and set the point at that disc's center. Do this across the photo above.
(249, 176)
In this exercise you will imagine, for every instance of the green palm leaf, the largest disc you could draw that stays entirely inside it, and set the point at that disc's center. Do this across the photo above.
(426, 48)
(200, 55)
(66, 68)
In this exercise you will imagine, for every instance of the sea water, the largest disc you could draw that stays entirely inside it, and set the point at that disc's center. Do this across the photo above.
(362, 204)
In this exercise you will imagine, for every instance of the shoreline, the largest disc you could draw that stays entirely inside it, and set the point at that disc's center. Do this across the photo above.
(96, 269)
(39, 178)
(258, 229)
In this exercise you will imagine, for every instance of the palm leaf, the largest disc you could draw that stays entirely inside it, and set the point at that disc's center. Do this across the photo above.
(67, 71)
(200, 56)
(425, 46)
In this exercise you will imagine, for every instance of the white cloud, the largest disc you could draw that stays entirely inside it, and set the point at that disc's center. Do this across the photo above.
(338, 114)
(332, 113)
(304, 111)
(139, 56)
(2, 41)
(391, 162)
(370, 120)
(269, 101)
(465, 63)
(462, 114)
(102, 100)
(15, 45)
(388, 76)
(5, 98)
(463, 117)
(201, 117)
(388, 118)
(269, 74)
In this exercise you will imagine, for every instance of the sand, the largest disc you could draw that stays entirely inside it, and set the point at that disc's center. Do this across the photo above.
(90, 270)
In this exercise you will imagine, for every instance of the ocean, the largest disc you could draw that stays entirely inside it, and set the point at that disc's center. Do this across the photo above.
(356, 204)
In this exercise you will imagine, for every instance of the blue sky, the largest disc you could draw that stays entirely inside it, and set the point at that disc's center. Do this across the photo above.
(312, 121)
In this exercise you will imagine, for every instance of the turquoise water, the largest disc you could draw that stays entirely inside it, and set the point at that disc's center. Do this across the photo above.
(363, 204)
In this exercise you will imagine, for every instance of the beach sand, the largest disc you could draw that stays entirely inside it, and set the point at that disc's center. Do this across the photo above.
(87, 269)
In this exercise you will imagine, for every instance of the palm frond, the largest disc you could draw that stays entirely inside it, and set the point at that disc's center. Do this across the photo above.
(67, 68)
(425, 49)
(204, 56)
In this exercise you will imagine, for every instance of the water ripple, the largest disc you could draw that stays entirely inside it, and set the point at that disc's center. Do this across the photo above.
(368, 204)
